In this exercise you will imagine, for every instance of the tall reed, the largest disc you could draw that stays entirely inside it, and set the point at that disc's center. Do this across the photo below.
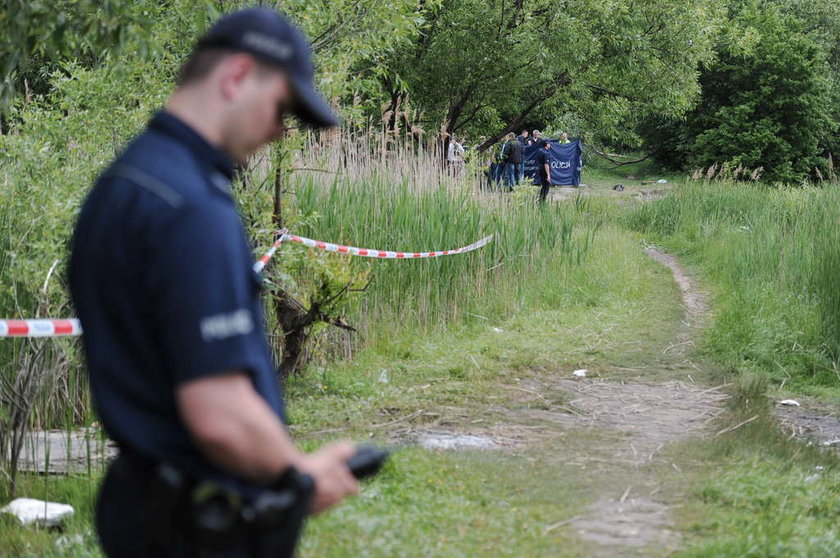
(404, 199)
(775, 255)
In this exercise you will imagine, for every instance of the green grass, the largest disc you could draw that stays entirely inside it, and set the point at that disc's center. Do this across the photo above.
(760, 494)
(591, 317)
(760, 506)
(77, 537)
(457, 503)
(451, 504)
(477, 503)
(772, 256)
(530, 244)
(600, 173)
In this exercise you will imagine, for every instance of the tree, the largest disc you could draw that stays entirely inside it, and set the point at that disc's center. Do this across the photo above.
(351, 37)
(821, 21)
(37, 35)
(501, 63)
(766, 100)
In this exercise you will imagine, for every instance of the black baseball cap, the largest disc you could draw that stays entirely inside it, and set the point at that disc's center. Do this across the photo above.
(270, 37)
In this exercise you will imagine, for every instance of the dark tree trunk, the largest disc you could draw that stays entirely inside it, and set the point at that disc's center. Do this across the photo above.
(295, 323)
(295, 320)
(561, 81)
(291, 315)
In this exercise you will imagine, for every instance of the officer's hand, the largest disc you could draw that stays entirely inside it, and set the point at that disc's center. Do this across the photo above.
(333, 480)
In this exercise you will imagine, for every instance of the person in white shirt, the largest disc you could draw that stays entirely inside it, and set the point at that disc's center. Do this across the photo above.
(454, 155)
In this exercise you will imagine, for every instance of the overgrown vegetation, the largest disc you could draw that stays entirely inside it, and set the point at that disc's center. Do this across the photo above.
(773, 255)
(768, 101)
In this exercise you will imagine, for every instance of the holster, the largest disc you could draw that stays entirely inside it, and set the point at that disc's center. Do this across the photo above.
(166, 506)
(213, 518)
(279, 515)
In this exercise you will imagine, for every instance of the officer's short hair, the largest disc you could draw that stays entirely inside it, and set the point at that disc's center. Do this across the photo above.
(201, 62)
(204, 60)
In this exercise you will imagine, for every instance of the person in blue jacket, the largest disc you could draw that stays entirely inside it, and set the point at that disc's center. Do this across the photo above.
(161, 276)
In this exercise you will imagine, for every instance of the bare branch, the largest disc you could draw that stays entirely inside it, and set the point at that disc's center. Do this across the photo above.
(620, 163)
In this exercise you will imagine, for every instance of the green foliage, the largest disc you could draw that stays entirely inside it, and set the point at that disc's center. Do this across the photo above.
(38, 36)
(86, 108)
(773, 255)
(766, 101)
(432, 294)
(479, 63)
(821, 20)
(351, 38)
(765, 107)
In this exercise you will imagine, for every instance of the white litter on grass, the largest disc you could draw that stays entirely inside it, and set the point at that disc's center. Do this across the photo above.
(455, 441)
(580, 373)
(662, 181)
(68, 542)
(383, 377)
(498, 330)
(831, 443)
(789, 402)
(46, 514)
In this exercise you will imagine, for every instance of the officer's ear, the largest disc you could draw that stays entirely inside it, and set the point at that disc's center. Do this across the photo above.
(233, 73)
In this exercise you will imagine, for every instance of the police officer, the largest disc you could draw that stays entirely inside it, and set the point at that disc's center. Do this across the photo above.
(543, 162)
(160, 274)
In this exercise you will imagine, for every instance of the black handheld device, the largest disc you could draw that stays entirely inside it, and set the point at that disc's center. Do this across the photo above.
(367, 461)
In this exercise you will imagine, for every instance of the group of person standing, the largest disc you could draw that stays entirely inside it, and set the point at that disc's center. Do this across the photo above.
(508, 164)
(505, 161)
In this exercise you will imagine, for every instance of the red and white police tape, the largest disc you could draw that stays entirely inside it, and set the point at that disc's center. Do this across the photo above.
(40, 328)
(71, 326)
(365, 252)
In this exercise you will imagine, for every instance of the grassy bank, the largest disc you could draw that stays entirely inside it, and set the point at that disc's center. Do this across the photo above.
(772, 255)
(758, 493)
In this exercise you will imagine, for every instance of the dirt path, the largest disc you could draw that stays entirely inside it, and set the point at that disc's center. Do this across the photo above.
(613, 430)
(646, 417)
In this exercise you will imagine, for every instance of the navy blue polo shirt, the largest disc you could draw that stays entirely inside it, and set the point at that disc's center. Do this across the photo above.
(542, 158)
(161, 277)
